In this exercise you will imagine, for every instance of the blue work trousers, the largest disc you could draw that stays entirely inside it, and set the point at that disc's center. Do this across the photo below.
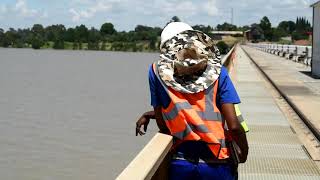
(185, 170)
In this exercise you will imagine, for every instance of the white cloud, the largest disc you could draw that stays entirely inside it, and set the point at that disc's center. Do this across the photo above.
(23, 10)
(78, 15)
(75, 15)
(81, 2)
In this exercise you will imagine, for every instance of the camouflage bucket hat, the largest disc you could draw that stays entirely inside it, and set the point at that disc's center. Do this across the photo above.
(207, 54)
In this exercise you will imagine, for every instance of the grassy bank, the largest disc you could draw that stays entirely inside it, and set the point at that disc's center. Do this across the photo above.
(142, 46)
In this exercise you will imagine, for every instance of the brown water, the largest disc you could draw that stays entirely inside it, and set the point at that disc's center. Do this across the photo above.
(70, 114)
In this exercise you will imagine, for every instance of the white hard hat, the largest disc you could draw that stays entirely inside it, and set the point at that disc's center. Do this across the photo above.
(173, 29)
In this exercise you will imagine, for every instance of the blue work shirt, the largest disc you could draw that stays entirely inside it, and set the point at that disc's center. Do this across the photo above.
(226, 91)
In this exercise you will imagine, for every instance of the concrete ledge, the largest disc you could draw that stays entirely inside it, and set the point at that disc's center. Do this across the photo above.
(146, 163)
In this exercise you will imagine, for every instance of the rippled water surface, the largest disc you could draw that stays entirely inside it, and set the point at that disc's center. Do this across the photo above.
(68, 115)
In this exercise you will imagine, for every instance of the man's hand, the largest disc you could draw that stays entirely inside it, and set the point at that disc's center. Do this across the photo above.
(144, 121)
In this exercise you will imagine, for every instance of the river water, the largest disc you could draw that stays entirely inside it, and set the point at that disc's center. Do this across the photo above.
(68, 115)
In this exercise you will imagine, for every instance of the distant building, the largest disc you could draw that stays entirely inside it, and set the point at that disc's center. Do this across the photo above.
(248, 35)
(315, 65)
(223, 35)
(227, 33)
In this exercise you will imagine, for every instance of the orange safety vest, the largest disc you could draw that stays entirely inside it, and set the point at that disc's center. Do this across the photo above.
(196, 117)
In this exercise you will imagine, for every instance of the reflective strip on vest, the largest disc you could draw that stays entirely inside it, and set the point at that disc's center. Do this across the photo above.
(240, 118)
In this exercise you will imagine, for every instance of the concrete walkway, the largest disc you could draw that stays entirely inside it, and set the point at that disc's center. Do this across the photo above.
(275, 151)
(293, 82)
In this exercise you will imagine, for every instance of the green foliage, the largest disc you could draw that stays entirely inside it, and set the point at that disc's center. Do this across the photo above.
(55, 32)
(223, 47)
(58, 44)
(226, 27)
(69, 35)
(37, 41)
(80, 45)
(175, 19)
(2, 36)
(276, 34)
(38, 29)
(286, 27)
(81, 33)
(205, 29)
(103, 46)
(152, 43)
(244, 28)
(107, 29)
(265, 25)
(93, 39)
(302, 28)
(296, 35)
(302, 25)
(75, 45)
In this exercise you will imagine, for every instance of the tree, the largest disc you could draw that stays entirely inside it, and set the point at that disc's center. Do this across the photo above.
(93, 39)
(265, 25)
(107, 29)
(75, 45)
(58, 44)
(226, 27)
(223, 47)
(37, 41)
(1, 37)
(205, 29)
(11, 38)
(303, 26)
(287, 27)
(82, 33)
(276, 34)
(103, 46)
(38, 29)
(144, 33)
(142, 28)
(244, 28)
(152, 43)
(57, 34)
(175, 19)
(69, 35)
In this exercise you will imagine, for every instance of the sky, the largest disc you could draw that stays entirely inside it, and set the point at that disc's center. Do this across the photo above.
(126, 14)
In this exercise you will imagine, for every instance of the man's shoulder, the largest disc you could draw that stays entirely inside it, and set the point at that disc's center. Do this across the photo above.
(223, 73)
(152, 75)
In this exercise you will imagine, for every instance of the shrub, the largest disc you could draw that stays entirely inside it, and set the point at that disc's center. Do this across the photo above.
(223, 47)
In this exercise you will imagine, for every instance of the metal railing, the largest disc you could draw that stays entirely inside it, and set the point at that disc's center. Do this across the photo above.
(301, 54)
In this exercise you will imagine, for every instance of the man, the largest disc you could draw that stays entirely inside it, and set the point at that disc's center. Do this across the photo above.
(194, 101)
